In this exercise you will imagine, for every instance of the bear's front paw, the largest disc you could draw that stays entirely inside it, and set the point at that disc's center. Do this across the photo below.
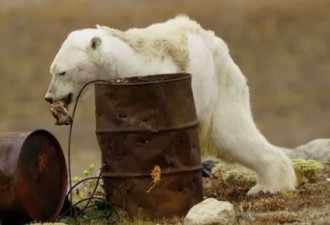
(259, 188)
(278, 175)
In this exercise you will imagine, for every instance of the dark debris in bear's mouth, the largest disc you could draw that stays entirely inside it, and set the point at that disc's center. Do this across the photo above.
(68, 99)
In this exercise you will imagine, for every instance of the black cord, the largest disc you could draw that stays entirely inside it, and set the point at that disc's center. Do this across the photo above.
(93, 192)
(109, 204)
(123, 206)
(71, 127)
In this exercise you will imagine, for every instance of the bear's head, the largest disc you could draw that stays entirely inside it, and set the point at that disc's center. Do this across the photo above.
(75, 64)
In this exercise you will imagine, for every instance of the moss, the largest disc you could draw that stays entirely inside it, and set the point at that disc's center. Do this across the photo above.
(238, 179)
(234, 177)
(289, 195)
(217, 170)
(327, 161)
(306, 170)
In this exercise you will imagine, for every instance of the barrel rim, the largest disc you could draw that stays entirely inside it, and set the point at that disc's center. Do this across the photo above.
(145, 80)
(64, 185)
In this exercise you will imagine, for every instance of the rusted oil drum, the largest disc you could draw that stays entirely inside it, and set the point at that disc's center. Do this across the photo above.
(33, 177)
(146, 121)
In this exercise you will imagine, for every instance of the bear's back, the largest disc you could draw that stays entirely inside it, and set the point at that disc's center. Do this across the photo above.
(175, 27)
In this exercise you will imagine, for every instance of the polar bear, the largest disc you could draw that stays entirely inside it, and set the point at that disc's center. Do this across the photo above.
(220, 90)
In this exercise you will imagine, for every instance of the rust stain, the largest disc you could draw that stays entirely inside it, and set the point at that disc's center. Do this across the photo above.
(155, 176)
(42, 161)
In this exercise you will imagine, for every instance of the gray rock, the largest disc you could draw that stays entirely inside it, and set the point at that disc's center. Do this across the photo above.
(248, 217)
(318, 150)
(208, 165)
(211, 212)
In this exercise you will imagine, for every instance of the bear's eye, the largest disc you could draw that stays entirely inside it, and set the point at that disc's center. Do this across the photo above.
(62, 73)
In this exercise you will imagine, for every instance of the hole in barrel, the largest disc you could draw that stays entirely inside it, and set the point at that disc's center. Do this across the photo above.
(145, 120)
(100, 114)
(143, 141)
(122, 116)
(119, 159)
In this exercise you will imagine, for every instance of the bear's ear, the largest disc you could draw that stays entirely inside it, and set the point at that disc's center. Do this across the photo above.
(95, 42)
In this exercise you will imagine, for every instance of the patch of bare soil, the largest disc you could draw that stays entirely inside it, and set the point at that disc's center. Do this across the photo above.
(309, 204)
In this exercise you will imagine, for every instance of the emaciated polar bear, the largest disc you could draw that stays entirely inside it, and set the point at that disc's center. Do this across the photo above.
(227, 129)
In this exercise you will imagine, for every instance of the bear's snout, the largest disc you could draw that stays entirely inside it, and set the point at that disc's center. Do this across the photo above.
(49, 99)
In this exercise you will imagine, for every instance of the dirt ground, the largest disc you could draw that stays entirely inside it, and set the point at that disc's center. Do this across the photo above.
(309, 204)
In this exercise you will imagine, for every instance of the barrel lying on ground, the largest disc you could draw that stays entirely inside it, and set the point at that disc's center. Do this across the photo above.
(33, 177)
(143, 122)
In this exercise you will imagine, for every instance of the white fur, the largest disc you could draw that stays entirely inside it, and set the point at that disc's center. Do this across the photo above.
(220, 89)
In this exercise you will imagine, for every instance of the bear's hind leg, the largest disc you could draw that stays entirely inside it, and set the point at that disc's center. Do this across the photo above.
(235, 136)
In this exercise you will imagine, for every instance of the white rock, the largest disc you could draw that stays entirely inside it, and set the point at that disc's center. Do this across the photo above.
(318, 150)
(211, 212)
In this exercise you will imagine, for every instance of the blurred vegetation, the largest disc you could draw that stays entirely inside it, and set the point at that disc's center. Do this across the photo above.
(306, 170)
(309, 204)
(281, 46)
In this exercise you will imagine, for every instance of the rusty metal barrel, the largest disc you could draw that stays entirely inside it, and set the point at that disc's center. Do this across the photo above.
(143, 122)
(33, 177)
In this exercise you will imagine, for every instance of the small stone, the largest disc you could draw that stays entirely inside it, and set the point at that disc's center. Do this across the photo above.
(211, 212)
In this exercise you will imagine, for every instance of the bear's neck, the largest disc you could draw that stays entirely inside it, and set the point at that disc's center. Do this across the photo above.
(118, 59)
(121, 60)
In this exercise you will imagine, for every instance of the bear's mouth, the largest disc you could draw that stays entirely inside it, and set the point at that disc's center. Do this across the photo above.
(68, 99)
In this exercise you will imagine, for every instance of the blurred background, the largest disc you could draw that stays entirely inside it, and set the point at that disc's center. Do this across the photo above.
(283, 47)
